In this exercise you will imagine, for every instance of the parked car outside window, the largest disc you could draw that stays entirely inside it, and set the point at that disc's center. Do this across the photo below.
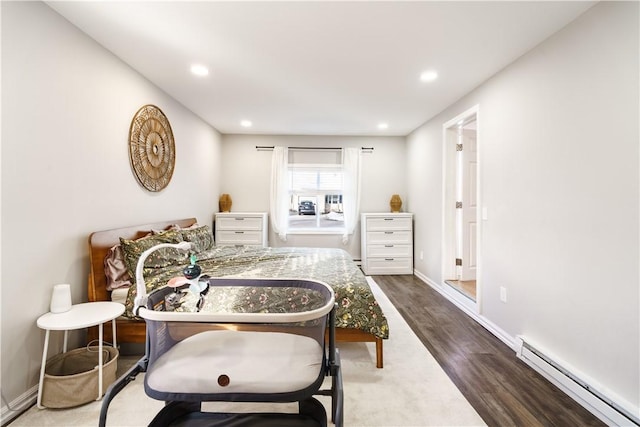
(306, 208)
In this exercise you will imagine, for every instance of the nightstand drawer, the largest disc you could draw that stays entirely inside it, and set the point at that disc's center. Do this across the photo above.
(390, 251)
(239, 223)
(388, 237)
(389, 266)
(238, 237)
(388, 223)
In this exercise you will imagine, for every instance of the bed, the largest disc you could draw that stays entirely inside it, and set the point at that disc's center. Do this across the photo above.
(358, 316)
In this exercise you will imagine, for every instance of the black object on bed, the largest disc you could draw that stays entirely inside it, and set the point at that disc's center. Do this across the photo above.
(217, 352)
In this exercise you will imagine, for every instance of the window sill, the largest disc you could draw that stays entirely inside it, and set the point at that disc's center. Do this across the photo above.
(316, 232)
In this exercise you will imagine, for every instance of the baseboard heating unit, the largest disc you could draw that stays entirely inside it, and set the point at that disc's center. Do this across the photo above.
(588, 395)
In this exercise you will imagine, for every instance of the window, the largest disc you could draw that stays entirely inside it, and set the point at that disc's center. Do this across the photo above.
(315, 191)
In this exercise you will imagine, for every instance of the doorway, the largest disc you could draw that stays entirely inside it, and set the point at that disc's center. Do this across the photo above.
(461, 197)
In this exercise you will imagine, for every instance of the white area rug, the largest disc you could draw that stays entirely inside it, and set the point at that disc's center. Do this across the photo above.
(411, 390)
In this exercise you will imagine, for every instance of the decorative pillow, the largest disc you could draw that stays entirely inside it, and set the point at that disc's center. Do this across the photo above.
(191, 227)
(200, 237)
(115, 269)
(161, 258)
(171, 227)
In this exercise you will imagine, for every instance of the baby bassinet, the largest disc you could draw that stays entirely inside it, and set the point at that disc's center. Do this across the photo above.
(211, 347)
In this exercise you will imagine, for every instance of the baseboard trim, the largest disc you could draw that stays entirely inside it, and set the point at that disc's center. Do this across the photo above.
(607, 415)
(580, 388)
(13, 409)
(469, 311)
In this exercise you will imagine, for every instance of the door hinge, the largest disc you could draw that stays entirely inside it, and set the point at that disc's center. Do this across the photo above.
(458, 205)
(458, 147)
(458, 261)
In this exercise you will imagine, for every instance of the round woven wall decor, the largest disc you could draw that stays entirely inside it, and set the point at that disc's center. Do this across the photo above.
(151, 148)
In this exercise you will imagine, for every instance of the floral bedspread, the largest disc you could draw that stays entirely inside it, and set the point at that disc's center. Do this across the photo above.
(250, 298)
(357, 307)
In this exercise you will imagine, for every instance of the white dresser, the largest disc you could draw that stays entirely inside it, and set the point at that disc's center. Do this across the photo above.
(387, 243)
(241, 228)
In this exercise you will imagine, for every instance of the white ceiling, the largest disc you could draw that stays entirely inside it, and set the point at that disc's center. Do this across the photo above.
(318, 67)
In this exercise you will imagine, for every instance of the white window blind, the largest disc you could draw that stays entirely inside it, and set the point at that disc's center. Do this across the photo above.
(315, 181)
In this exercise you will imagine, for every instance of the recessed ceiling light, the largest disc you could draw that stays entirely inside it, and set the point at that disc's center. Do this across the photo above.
(383, 126)
(428, 76)
(199, 70)
(246, 123)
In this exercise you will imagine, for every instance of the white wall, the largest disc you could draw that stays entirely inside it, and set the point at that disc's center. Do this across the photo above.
(559, 155)
(67, 104)
(246, 176)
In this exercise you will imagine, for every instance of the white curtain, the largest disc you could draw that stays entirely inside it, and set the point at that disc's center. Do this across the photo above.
(351, 161)
(279, 198)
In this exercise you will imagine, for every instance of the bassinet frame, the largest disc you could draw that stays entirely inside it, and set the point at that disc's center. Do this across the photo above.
(185, 408)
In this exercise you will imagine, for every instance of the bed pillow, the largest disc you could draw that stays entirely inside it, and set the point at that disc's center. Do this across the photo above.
(161, 258)
(115, 269)
(170, 227)
(176, 227)
(200, 237)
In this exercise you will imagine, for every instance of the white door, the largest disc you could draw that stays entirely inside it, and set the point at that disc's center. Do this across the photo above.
(469, 202)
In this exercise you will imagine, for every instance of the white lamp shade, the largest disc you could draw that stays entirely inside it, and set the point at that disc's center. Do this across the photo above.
(61, 298)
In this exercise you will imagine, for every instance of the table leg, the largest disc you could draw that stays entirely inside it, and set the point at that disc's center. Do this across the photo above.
(44, 362)
(100, 339)
(66, 340)
(113, 329)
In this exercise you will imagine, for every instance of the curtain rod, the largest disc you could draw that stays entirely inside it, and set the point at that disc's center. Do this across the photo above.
(270, 147)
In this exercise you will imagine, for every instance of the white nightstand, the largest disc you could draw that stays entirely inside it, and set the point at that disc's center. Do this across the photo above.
(78, 317)
(241, 228)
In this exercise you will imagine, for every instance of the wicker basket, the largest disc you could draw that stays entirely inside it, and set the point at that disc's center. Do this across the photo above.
(71, 378)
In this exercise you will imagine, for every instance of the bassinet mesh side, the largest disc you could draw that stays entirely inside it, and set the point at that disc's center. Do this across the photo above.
(163, 336)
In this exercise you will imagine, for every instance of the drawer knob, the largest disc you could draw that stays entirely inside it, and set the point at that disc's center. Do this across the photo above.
(239, 232)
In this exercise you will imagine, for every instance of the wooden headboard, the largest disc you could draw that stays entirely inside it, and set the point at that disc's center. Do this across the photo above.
(101, 241)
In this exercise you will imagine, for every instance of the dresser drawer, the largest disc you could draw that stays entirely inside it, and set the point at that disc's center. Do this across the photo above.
(388, 223)
(239, 223)
(388, 237)
(389, 265)
(238, 237)
(390, 251)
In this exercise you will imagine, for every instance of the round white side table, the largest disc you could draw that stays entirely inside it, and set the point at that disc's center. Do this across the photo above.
(78, 317)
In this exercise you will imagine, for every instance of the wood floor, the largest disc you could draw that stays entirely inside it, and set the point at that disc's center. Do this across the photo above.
(502, 389)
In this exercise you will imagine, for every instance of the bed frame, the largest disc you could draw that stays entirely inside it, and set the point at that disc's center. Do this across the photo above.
(134, 331)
